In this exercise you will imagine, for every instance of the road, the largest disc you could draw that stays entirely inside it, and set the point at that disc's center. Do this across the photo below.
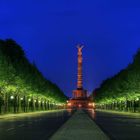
(32, 127)
(42, 126)
(117, 126)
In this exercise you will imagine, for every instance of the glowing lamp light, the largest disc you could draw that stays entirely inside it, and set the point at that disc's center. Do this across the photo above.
(69, 104)
(79, 105)
(89, 104)
(12, 97)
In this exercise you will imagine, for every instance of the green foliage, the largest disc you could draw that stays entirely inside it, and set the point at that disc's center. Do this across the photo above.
(125, 86)
(19, 76)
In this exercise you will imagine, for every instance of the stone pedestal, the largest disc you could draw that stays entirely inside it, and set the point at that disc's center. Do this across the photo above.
(79, 94)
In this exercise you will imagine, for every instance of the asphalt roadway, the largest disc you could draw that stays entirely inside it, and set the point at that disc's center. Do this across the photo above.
(118, 126)
(32, 127)
(43, 125)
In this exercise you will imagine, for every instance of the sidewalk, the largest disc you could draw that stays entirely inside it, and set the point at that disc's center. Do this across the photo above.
(9, 116)
(120, 112)
(79, 127)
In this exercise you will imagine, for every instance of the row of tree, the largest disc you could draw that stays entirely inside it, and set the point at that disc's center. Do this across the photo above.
(122, 91)
(22, 86)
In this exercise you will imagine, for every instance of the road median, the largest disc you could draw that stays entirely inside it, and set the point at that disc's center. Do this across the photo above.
(79, 126)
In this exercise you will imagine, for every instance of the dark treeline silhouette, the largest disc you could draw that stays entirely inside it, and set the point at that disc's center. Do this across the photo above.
(22, 87)
(122, 91)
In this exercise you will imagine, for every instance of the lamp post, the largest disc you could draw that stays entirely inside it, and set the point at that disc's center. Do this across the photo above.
(29, 101)
(11, 103)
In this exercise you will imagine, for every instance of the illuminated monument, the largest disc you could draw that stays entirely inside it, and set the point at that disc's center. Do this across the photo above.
(80, 98)
(80, 93)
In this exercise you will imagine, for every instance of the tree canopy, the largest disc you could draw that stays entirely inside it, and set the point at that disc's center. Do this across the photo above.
(124, 86)
(19, 76)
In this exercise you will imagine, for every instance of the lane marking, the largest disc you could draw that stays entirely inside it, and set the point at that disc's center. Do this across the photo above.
(21, 125)
(10, 129)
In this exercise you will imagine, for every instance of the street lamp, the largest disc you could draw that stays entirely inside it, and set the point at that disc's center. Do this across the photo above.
(12, 97)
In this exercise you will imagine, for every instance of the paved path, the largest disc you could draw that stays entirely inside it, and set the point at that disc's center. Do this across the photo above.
(79, 127)
(20, 115)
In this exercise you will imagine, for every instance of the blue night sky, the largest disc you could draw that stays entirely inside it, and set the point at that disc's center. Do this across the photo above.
(49, 30)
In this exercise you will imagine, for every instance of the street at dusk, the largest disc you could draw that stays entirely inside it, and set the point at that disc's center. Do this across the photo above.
(70, 70)
(38, 126)
(118, 126)
(43, 125)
